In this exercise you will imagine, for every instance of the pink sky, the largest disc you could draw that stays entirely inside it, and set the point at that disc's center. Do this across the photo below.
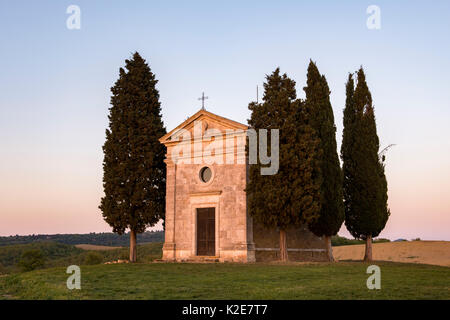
(49, 195)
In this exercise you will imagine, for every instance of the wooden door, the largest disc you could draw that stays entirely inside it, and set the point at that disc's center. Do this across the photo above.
(206, 237)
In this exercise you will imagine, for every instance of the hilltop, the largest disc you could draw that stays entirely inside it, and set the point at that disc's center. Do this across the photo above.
(101, 239)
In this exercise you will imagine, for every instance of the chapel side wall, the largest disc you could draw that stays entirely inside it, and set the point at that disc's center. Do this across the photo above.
(297, 238)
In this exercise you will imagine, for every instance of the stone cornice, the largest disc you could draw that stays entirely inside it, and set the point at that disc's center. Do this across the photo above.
(205, 193)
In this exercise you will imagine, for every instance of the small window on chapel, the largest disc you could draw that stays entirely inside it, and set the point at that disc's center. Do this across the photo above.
(205, 174)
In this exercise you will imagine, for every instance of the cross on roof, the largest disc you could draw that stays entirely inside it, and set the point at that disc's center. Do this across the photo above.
(203, 98)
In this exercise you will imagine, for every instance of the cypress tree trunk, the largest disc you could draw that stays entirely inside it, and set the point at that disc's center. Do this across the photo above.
(132, 246)
(368, 253)
(283, 246)
(329, 248)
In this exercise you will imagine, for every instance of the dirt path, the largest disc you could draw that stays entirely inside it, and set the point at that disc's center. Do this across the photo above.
(427, 252)
(95, 247)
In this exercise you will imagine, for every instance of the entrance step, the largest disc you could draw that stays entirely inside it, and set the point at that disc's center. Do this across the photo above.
(197, 259)
(204, 259)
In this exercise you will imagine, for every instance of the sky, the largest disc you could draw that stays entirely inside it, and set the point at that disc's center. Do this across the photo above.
(55, 91)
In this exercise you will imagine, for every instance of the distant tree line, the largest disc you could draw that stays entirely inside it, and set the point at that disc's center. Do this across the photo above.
(337, 241)
(101, 239)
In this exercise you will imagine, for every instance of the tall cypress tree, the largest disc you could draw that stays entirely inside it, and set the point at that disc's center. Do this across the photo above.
(291, 196)
(365, 185)
(322, 120)
(348, 141)
(134, 169)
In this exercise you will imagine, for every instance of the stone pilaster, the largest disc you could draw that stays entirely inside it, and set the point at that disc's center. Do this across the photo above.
(169, 248)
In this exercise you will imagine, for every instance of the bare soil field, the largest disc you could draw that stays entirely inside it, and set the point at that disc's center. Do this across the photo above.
(95, 247)
(426, 252)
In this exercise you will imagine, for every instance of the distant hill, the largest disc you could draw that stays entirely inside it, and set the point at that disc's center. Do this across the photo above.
(101, 239)
(63, 255)
(114, 240)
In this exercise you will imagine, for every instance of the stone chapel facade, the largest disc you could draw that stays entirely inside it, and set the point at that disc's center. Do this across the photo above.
(206, 205)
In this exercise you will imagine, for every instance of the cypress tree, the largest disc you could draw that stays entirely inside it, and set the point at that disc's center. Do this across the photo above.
(348, 141)
(291, 196)
(318, 105)
(365, 185)
(134, 171)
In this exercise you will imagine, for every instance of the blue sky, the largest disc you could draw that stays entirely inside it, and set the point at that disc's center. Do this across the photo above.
(55, 91)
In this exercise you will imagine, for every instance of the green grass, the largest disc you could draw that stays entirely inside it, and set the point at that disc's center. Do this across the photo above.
(10, 255)
(344, 280)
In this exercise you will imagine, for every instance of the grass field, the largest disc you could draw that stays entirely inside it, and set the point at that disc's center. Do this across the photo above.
(344, 280)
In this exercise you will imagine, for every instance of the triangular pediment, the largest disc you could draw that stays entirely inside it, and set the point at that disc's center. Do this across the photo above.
(208, 120)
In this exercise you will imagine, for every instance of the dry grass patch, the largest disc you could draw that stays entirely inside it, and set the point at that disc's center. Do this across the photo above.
(425, 252)
(95, 247)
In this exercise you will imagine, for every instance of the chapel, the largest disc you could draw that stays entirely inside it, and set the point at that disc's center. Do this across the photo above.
(206, 205)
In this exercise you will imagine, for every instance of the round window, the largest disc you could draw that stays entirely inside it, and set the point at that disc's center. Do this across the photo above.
(205, 174)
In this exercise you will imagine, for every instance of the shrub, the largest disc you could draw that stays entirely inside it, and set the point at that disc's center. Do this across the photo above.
(125, 255)
(31, 260)
(342, 241)
(381, 240)
(93, 258)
